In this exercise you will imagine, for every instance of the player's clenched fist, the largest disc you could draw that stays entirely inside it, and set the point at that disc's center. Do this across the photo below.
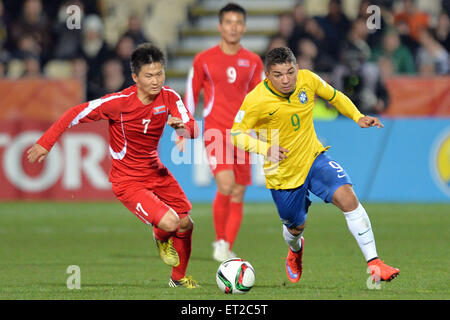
(37, 152)
(368, 121)
(276, 153)
(176, 123)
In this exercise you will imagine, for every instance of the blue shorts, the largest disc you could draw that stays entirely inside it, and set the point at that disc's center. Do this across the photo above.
(324, 178)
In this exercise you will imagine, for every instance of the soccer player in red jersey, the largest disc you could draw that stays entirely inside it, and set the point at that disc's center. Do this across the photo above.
(226, 73)
(137, 117)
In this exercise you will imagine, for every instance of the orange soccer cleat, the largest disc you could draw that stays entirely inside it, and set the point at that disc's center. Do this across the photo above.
(381, 271)
(294, 265)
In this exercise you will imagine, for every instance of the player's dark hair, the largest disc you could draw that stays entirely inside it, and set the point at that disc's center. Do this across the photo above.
(145, 53)
(279, 55)
(232, 7)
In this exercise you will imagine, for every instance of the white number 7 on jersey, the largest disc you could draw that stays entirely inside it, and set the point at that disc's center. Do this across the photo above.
(146, 122)
(139, 209)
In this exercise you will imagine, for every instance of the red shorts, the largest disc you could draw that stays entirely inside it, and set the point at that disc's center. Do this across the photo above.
(150, 200)
(223, 155)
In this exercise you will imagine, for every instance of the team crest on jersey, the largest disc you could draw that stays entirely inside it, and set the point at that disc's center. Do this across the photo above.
(243, 63)
(303, 97)
(158, 110)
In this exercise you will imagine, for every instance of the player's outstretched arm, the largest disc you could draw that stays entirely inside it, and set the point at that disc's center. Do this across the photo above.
(368, 121)
(37, 152)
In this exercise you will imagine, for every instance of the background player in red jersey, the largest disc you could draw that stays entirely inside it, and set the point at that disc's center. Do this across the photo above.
(137, 117)
(226, 73)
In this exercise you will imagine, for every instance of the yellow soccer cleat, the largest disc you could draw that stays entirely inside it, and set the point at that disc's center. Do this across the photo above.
(168, 253)
(187, 282)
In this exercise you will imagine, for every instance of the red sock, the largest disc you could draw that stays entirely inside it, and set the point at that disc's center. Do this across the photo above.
(221, 207)
(161, 234)
(182, 242)
(234, 222)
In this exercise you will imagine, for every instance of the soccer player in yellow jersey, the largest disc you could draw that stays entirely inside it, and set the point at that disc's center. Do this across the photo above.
(280, 111)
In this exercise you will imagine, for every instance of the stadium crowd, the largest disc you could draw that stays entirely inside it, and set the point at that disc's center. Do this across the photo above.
(36, 35)
(353, 58)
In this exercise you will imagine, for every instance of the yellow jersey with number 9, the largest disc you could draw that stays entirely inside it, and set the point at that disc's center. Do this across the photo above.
(287, 121)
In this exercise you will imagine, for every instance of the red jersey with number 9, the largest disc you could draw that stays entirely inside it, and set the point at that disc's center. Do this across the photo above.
(226, 80)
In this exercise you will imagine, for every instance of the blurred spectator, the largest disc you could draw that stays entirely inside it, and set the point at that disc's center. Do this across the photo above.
(415, 19)
(79, 69)
(134, 30)
(353, 56)
(93, 48)
(336, 25)
(67, 40)
(32, 67)
(300, 17)
(113, 76)
(409, 23)
(113, 79)
(432, 58)
(442, 31)
(305, 62)
(309, 35)
(124, 49)
(326, 57)
(26, 45)
(275, 41)
(358, 78)
(446, 6)
(311, 55)
(4, 53)
(33, 23)
(307, 49)
(3, 27)
(355, 50)
(400, 56)
(285, 25)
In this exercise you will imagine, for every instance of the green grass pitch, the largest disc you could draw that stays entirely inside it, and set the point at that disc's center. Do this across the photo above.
(118, 259)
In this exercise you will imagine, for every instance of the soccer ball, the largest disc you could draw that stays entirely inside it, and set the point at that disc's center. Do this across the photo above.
(235, 276)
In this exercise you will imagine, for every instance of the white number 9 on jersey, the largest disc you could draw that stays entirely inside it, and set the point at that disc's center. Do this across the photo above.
(231, 74)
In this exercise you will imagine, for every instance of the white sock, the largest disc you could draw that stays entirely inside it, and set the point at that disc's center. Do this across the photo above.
(359, 225)
(294, 242)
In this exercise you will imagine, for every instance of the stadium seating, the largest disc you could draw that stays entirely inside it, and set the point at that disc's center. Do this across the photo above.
(200, 32)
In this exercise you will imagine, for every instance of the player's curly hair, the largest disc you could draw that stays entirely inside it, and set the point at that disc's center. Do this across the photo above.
(145, 53)
(232, 7)
(279, 55)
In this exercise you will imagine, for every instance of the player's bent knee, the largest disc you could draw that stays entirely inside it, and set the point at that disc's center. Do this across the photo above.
(345, 199)
(225, 182)
(225, 188)
(297, 230)
(238, 193)
(186, 224)
(170, 222)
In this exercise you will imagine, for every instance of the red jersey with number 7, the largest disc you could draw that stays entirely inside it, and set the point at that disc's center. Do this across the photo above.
(134, 129)
(226, 80)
